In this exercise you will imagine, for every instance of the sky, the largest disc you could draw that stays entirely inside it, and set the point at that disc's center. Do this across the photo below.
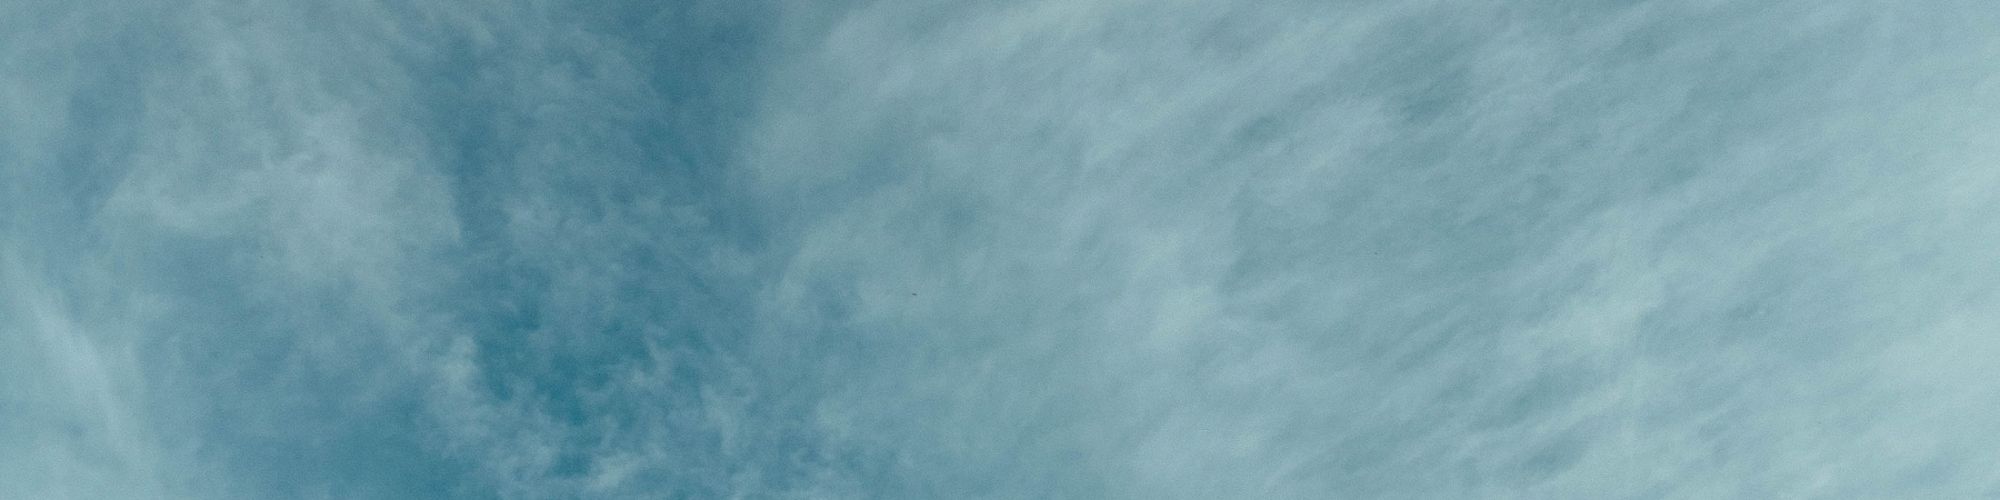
(1047, 249)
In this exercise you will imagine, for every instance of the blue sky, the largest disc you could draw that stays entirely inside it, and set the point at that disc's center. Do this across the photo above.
(1045, 249)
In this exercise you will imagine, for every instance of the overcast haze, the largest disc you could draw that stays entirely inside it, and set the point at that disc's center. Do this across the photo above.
(916, 249)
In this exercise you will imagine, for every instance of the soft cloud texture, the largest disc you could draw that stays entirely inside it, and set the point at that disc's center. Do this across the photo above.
(1051, 249)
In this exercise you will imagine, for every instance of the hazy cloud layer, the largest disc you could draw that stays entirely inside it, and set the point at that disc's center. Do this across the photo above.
(1049, 249)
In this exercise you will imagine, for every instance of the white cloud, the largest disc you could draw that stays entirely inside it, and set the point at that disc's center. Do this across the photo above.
(1155, 250)
(918, 249)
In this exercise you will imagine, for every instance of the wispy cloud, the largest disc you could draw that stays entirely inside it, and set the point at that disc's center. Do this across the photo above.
(919, 249)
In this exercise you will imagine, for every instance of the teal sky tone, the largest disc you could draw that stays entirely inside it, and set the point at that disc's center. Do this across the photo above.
(1061, 249)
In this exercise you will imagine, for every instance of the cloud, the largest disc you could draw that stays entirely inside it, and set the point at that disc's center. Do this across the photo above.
(915, 249)
(1149, 249)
